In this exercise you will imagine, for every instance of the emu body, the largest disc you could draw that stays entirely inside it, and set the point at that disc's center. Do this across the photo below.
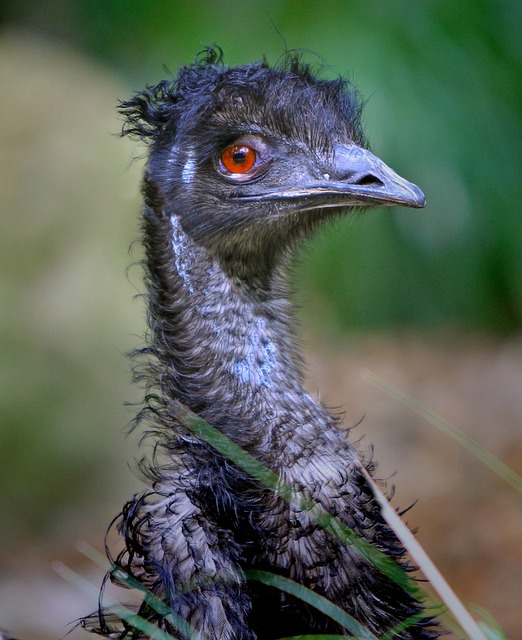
(243, 164)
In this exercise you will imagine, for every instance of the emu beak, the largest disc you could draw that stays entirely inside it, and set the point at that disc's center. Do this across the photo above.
(353, 177)
(361, 178)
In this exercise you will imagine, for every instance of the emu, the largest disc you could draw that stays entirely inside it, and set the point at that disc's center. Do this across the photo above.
(244, 163)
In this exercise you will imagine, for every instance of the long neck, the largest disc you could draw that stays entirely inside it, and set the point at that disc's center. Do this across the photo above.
(224, 349)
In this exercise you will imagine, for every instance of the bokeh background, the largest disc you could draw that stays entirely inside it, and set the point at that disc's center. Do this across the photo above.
(431, 299)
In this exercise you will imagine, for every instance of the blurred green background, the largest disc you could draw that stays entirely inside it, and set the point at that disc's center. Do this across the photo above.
(443, 81)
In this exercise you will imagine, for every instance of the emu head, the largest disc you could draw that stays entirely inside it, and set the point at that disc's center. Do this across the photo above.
(251, 158)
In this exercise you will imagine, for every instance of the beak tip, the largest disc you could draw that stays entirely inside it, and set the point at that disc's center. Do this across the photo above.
(416, 199)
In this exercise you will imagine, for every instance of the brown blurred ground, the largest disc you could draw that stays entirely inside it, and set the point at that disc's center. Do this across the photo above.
(468, 519)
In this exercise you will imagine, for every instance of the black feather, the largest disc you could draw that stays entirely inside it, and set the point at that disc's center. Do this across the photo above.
(221, 342)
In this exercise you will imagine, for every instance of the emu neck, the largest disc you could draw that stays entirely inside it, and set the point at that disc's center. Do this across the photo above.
(226, 349)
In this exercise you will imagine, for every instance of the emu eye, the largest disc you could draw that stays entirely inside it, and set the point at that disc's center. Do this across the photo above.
(239, 158)
(245, 159)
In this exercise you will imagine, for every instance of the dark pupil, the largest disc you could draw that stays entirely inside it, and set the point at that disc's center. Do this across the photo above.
(239, 156)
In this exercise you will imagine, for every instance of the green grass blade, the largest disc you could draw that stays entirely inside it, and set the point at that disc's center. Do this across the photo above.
(153, 632)
(426, 565)
(153, 601)
(126, 614)
(496, 465)
(271, 480)
(314, 599)
(489, 625)
(321, 636)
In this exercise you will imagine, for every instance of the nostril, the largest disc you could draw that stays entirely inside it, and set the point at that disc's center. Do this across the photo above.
(369, 180)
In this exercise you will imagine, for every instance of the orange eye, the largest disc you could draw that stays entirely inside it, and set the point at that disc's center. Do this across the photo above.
(238, 158)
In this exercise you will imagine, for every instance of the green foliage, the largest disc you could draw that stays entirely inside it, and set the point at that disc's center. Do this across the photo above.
(67, 222)
(444, 88)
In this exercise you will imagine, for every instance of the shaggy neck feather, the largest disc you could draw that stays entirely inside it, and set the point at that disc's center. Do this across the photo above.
(225, 350)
